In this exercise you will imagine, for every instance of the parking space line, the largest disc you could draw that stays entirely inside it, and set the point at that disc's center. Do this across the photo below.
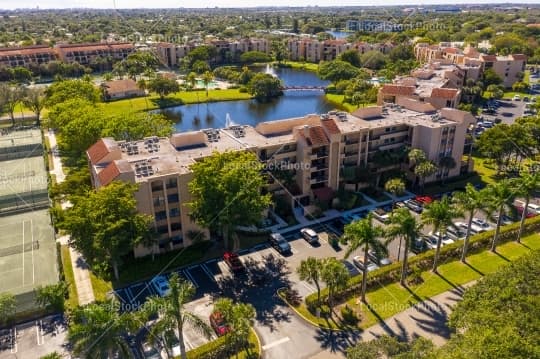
(276, 343)
(308, 286)
(208, 272)
(39, 333)
(190, 277)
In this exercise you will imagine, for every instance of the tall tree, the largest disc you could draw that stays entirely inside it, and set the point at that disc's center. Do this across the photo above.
(470, 202)
(264, 87)
(61, 91)
(99, 331)
(34, 99)
(352, 57)
(424, 170)
(527, 184)
(404, 226)
(310, 271)
(396, 187)
(500, 199)
(363, 234)
(226, 191)
(52, 296)
(337, 70)
(240, 317)
(172, 314)
(105, 224)
(439, 214)
(15, 96)
(207, 77)
(163, 86)
(336, 276)
(447, 163)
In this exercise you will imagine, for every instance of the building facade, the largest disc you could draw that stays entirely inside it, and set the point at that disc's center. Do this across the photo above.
(319, 150)
(86, 54)
(26, 56)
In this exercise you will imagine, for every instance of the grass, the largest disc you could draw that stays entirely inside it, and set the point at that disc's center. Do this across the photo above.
(391, 299)
(482, 166)
(181, 98)
(101, 287)
(254, 344)
(338, 100)
(73, 300)
(306, 66)
(205, 349)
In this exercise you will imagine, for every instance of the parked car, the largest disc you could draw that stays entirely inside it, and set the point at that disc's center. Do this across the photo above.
(505, 220)
(480, 225)
(456, 233)
(463, 226)
(379, 259)
(161, 285)
(217, 322)
(381, 215)
(279, 243)
(353, 271)
(310, 235)
(234, 262)
(445, 239)
(431, 242)
(359, 262)
(516, 98)
(172, 345)
(414, 206)
(532, 207)
(530, 214)
(149, 351)
(419, 246)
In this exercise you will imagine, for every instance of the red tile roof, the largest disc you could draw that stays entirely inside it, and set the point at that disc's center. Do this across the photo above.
(331, 127)
(26, 50)
(444, 93)
(317, 136)
(119, 86)
(488, 57)
(398, 90)
(98, 151)
(519, 57)
(451, 50)
(93, 46)
(108, 174)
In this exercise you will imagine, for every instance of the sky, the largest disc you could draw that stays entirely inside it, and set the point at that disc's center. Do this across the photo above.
(122, 4)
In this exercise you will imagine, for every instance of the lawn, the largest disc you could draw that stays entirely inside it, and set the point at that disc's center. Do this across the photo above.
(391, 299)
(306, 66)
(73, 300)
(181, 98)
(101, 287)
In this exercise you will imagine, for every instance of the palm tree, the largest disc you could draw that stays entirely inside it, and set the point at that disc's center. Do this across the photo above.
(416, 156)
(424, 170)
(310, 271)
(336, 276)
(404, 225)
(239, 317)
(396, 187)
(440, 214)
(526, 186)
(447, 163)
(173, 315)
(363, 234)
(207, 77)
(500, 198)
(470, 202)
(191, 80)
(99, 331)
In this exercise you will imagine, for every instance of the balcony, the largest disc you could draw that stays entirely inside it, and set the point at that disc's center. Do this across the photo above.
(394, 134)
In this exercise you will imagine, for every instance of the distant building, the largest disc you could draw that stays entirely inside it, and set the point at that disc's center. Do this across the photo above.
(119, 89)
(26, 55)
(87, 54)
(312, 50)
(371, 26)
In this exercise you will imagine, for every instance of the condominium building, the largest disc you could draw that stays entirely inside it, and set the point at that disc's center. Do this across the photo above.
(26, 56)
(435, 83)
(318, 149)
(86, 54)
(312, 50)
(508, 68)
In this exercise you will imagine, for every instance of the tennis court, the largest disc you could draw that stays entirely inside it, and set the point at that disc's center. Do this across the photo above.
(27, 253)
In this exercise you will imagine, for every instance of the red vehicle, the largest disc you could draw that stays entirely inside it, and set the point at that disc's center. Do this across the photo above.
(233, 261)
(530, 214)
(218, 324)
(424, 199)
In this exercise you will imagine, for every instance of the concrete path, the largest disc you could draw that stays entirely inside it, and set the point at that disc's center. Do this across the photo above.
(85, 292)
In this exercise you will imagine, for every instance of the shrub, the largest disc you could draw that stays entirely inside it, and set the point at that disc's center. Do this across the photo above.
(242, 89)
(391, 273)
(348, 316)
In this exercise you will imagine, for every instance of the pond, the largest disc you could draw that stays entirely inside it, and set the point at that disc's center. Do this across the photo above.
(294, 103)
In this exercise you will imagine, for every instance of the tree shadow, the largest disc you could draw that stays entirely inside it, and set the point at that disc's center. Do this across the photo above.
(454, 285)
(524, 245)
(336, 341)
(166, 102)
(474, 269)
(501, 256)
(380, 319)
(436, 318)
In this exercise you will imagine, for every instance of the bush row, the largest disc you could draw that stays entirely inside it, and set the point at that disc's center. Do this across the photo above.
(424, 261)
(216, 349)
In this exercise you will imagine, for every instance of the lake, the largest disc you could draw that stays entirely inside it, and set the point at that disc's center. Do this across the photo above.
(250, 112)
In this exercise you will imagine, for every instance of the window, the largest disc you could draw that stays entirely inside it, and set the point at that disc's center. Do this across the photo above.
(157, 186)
(176, 240)
(158, 201)
(171, 183)
(176, 226)
(449, 103)
(161, 215)
(163, 229)
(387, 129)
(173, 198)
(174, 212)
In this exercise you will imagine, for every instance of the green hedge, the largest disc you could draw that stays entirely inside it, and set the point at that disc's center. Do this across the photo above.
(424, 261)
(214, 349)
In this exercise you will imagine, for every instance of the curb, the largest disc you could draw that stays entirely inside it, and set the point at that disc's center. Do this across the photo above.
(312, 323)
(259, 345)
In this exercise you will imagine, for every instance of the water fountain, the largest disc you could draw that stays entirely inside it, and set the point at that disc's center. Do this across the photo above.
(270, 70)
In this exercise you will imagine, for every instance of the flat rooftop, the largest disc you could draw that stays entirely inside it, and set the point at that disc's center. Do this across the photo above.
(9, 138)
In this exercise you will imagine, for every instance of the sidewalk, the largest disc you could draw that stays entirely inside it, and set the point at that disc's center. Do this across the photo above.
(85, 292)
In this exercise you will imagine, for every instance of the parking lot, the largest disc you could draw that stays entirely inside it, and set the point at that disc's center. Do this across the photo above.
(504, 110)
(34, 339)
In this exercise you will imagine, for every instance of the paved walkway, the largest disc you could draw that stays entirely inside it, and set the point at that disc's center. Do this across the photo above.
(85, 292)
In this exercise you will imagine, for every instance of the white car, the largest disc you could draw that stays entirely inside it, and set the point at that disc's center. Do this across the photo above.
(480, 225)
(161, 285)
(431, 242)
(463, 226)
(445, 239)
(505, 220)
(516, 98)
(359, 262)
(309, 235)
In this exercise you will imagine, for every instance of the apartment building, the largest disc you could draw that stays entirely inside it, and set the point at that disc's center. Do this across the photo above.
(436, 83)
(86, 54)
(473, 62)
(26, 56)
(312, 50)
(318, 149)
